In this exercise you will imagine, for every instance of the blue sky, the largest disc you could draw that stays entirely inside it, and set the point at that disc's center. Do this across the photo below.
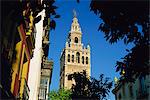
(103, 54)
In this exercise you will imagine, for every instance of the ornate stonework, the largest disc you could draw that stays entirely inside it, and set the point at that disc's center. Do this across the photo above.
(74, 57)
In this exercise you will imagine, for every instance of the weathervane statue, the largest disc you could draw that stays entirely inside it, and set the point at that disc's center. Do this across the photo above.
(74, 13)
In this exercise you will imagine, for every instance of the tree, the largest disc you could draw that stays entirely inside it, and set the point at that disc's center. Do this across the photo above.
(50, 12)
(61, 94)
(121, 21)
(84, 88)
(35, 6)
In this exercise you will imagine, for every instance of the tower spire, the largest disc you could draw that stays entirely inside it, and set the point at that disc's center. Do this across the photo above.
(74, 52)
(75, 25)
(74, 13)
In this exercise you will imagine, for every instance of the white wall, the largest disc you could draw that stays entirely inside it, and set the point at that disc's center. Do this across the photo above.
(35, 64)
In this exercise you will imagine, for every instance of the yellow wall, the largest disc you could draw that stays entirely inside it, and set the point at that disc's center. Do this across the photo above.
(21, 63)
(21, 88)
(23, 71)
(23, 78)
(16, 64)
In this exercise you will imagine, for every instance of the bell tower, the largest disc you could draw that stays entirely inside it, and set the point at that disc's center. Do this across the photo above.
(75, 57)
(75, 34)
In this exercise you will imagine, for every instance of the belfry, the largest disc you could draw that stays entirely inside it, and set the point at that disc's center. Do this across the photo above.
(75, 57)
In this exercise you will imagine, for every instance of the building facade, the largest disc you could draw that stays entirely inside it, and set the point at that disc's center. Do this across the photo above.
(46, 66)
(45, 80)
(138, 90)
(40, 59)
(24, 28)
(18, 34)
(74, 57)
(35, 64)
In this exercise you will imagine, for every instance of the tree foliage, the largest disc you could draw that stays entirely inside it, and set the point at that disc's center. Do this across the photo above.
(121, 21)
(84, 88)
(61, 94)
(50, 12)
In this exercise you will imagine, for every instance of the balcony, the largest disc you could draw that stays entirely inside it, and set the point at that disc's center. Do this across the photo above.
(42, 93)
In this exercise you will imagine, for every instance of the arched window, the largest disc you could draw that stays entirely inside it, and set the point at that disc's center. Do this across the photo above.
(75, 27)
(82, 59)
(69, 77)
(76, 40)
(86, 60)
(68, 57)
(73, 58)
(78, 57)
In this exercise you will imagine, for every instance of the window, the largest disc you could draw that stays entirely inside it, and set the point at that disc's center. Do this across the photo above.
(43, 81)
(73, 58)
(86, 60)
(68, 57)
(82, 59)
(76, 40)
(78, 57)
